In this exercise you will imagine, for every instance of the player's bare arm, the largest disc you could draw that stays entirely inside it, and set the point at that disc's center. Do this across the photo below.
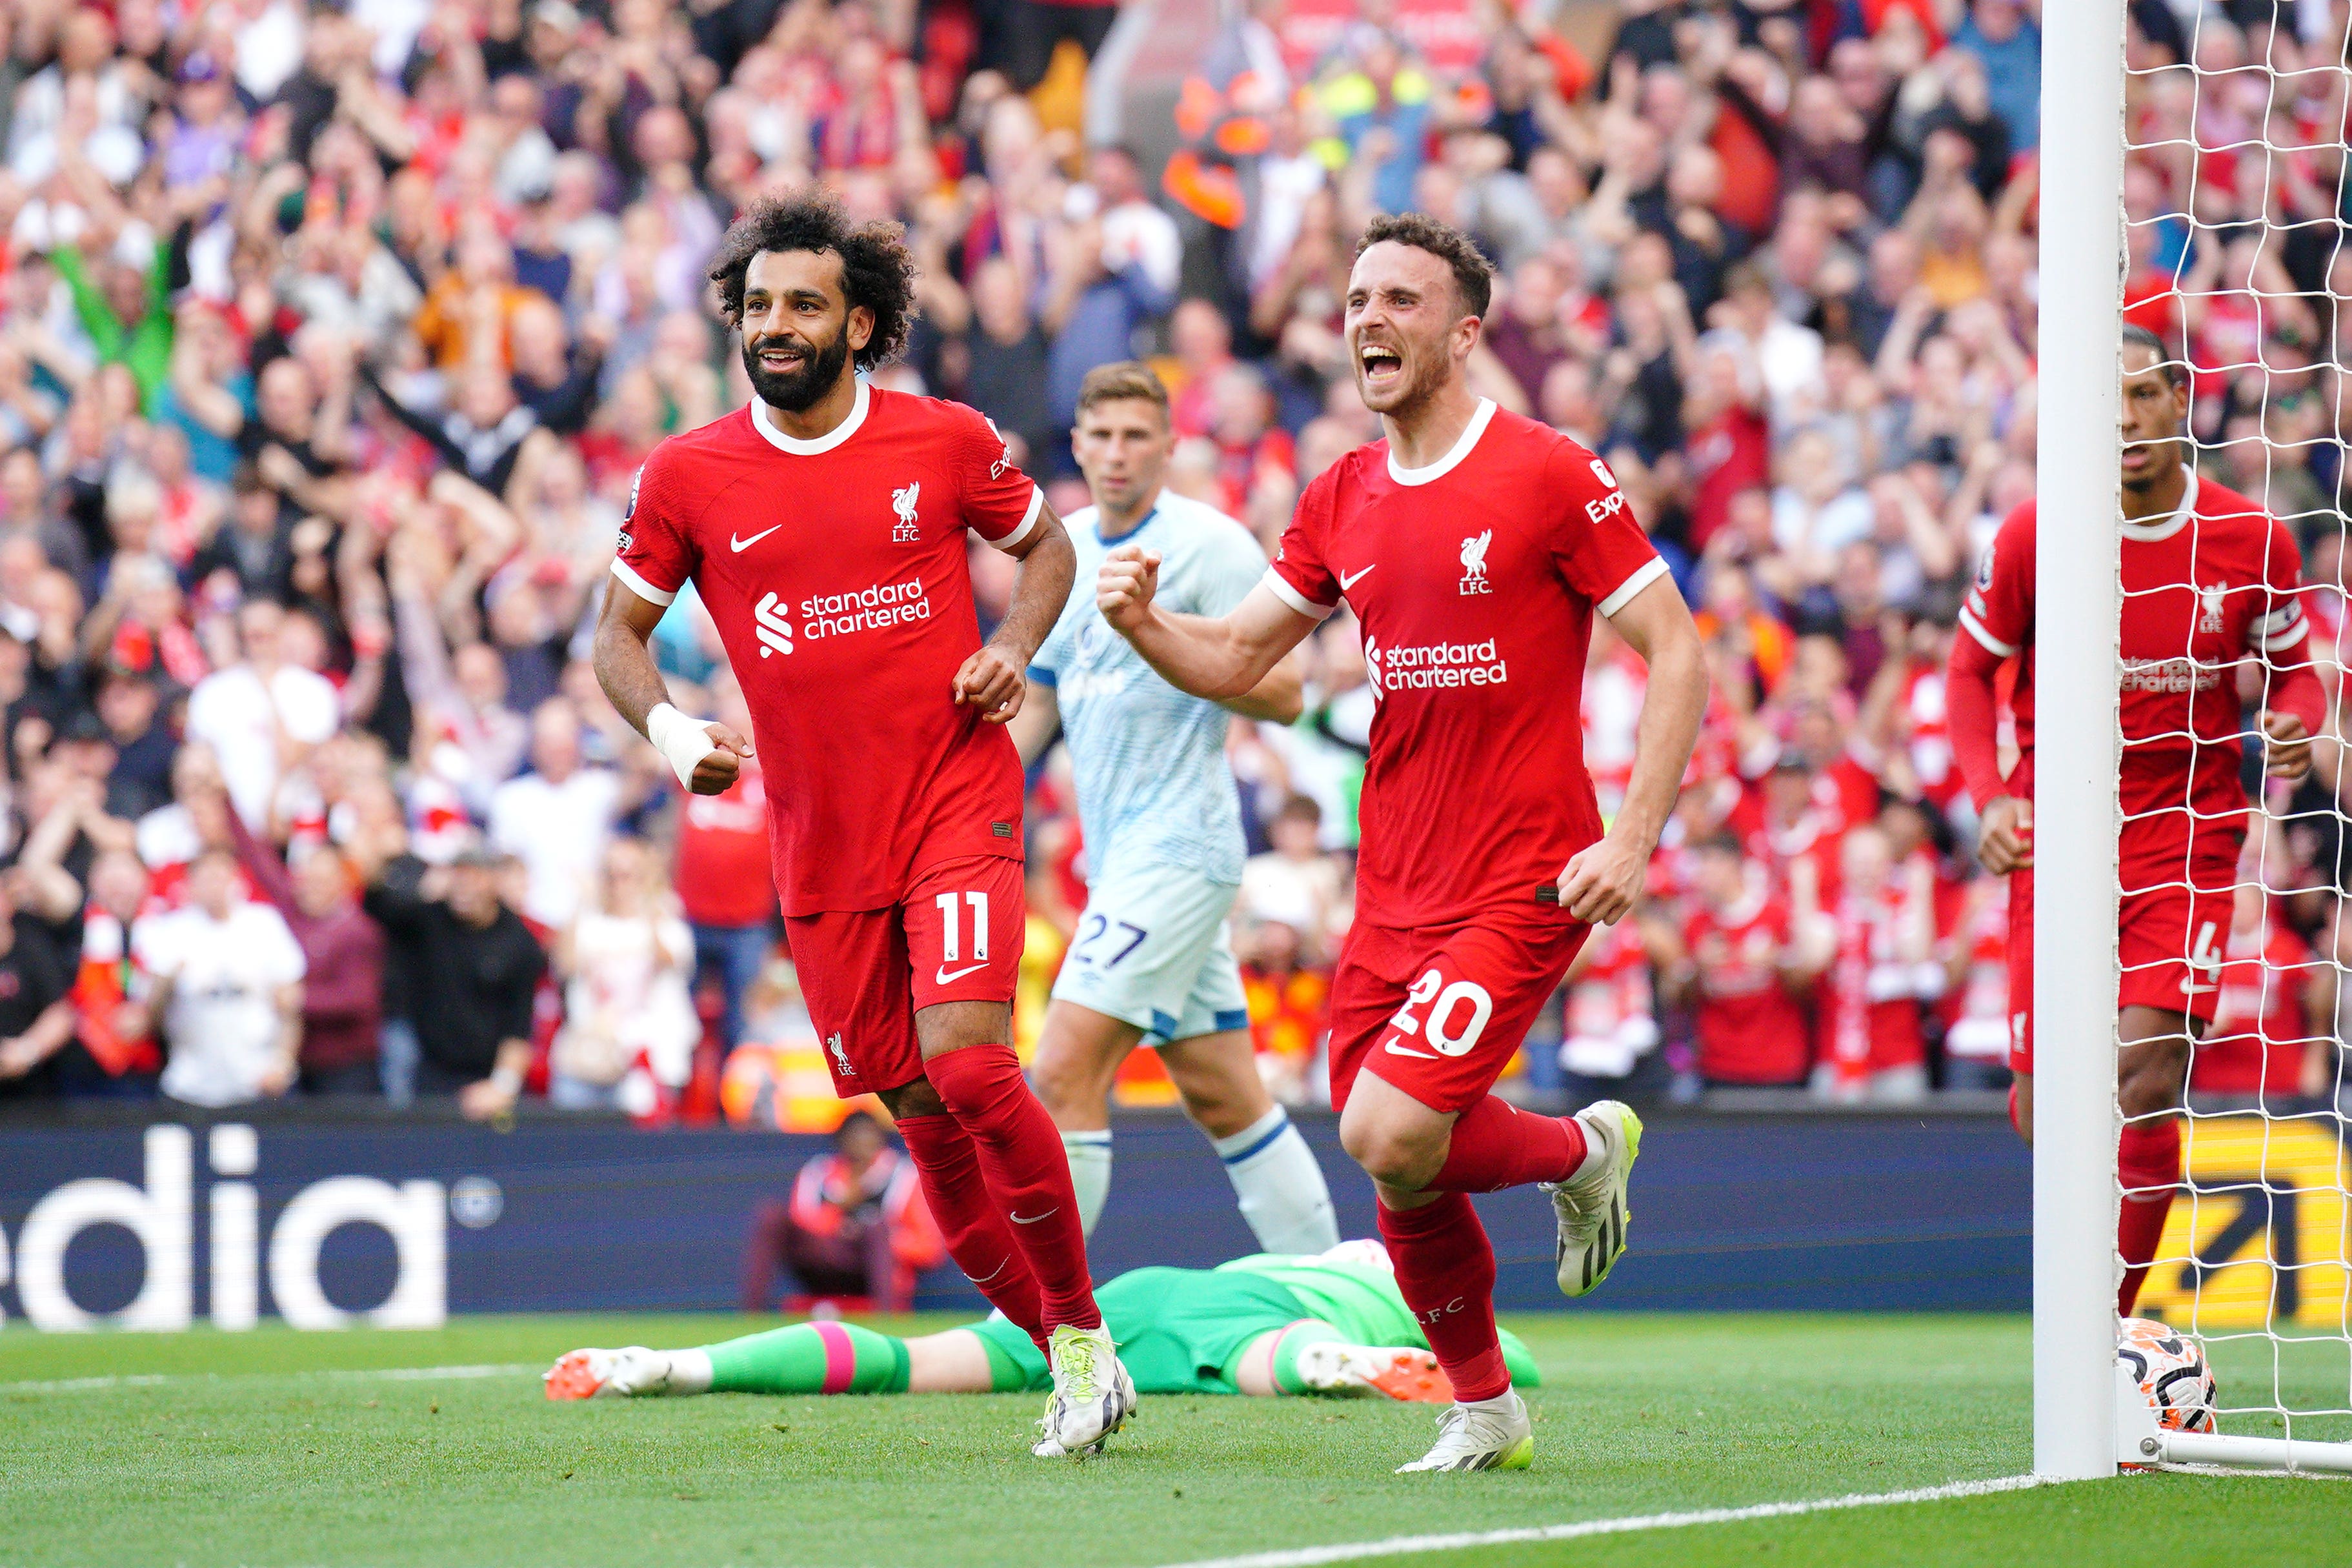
(995, 678)
(1279, 699)
(705, 755)
(2294, 712)
(1033, 728)
(1222, 659)
(1601, 883)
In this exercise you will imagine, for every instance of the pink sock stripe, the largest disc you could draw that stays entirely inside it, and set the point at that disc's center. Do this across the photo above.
(1273, 1351)
(840, 1357)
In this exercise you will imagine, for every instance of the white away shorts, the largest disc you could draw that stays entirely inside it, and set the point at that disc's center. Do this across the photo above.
(1151, 950)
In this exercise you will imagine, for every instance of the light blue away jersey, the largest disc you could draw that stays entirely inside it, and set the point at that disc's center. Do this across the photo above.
(1153, 786)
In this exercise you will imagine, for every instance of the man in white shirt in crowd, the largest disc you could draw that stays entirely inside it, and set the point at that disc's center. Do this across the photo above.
(557, 817)
(262, 716)
(228, 986)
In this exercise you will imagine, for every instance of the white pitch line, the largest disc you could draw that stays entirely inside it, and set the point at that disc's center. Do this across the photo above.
(1404, 1545)
(373, 1375)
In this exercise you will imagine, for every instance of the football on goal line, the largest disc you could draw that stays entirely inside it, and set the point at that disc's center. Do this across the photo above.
(2170, 1369)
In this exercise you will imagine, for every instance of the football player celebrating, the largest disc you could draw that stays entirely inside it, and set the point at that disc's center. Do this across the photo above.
(1474, 548)
(2210, 581)
(824, 525)
(1270, 1325)
(1163, 829)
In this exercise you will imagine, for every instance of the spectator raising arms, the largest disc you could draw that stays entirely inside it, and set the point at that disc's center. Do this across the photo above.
(228, 978)
(471, 969)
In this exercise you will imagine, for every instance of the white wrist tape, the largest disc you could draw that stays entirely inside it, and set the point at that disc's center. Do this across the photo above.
(684, 740)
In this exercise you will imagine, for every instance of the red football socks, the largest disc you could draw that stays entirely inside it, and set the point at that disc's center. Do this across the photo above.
(1498, 1145)
(1447, 1271)
(976, 1235)
(1026, 1172)
(2148, 1158)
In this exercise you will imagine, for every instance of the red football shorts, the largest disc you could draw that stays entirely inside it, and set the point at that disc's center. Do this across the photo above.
(2168, 941)
(865, 973)
(1438, 1011)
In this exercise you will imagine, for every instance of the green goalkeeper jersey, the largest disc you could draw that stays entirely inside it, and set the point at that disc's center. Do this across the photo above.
(1179, 1329)
(1359, 1300)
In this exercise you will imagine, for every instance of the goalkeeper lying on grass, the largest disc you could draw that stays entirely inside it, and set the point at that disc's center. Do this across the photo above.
(1332, 1323)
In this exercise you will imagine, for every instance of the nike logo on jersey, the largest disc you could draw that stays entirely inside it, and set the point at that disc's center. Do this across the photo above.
(1348, 583)
(1396, 1049)
(740, 546)
(1034, 1218)
(947, 976)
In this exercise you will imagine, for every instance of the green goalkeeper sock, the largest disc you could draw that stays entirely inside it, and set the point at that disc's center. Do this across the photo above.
(809, 1358)
(1283, 1370)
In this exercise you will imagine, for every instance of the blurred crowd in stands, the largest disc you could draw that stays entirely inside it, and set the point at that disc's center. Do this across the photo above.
(331, 336)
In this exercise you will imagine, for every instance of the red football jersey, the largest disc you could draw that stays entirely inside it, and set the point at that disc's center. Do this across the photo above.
(1869, 1015)
(1475, 580)
(723, 853)
(1609, 1014)
(1750, 1029)
(835, 571)
(1980, 1023)
(2215, 582)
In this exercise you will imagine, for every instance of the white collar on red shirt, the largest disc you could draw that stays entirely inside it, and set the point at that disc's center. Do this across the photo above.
(2166, 527)
(1448, 463)
(824, 442)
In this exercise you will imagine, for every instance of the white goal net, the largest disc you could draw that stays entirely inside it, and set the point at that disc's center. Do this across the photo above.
(2235, 211)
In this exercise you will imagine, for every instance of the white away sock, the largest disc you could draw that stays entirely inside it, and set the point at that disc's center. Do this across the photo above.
(1281, 1188)
(1089, 1155)
(1596, 1149)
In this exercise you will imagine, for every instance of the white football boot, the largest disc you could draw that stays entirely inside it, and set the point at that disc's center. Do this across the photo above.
(1591, 1208)
(608, 1374)
(1492, 1434)
(1093, 1396)
(1413, 1375)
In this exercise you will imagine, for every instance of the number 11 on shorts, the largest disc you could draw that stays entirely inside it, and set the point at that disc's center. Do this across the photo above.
(949, 949)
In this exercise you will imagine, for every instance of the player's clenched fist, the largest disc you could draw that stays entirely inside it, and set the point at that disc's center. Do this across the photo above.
(716, 774)
(705, 755)
(2286, 746)
(993, 681)
(1123, 589)
(2005, 836)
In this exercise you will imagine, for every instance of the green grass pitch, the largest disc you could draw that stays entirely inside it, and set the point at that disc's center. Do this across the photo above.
(268, 1449)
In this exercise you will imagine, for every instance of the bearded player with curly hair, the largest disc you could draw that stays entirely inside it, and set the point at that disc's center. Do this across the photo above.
(823, 526)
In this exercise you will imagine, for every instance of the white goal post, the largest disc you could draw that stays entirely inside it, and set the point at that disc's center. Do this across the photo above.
(2078, 478)
(2089, 1416)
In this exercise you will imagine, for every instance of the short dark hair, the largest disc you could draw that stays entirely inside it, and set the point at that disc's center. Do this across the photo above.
(2135, 336)
(878, 270)
(1121, 381)
(1474, 275)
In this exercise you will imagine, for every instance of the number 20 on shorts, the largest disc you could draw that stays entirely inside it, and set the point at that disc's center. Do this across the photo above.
(1448, 1032)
